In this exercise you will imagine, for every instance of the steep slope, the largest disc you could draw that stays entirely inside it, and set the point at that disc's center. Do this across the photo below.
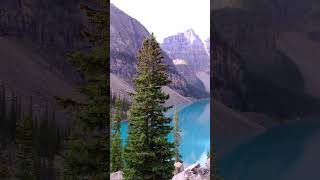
(122, 88)
(305, 53)
(51, 28)
(187, 46)
(23, 75)
(126, 37)
(204, 77)
(207, 46)
(268, 71)
(232, 127)
(190, 56)
(219, 4)
(34, 39)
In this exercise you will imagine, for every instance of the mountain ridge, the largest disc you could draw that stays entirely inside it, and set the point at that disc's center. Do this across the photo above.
(126, 37)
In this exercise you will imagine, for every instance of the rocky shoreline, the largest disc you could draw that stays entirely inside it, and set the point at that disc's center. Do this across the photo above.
(192, 172)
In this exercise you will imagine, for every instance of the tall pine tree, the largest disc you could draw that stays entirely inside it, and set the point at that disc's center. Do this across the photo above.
(148, 153)
(3, 111)
(177, 136)
(24, 149)
(116, 147)
(87, 154)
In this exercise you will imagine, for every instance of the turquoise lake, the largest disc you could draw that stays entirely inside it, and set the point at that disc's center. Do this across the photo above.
(286, 152)
(195, 126)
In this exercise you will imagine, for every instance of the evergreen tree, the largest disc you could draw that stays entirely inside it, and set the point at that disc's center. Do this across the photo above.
(148, 153)
(3, 110)
(177, 136)
(24, 149)
(116, 147)
(44, 133)
(37, 150)
(4, 165)
(87, 153)
(13, 117)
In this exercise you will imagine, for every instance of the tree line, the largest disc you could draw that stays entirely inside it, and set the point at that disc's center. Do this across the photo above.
(124, 104)
(148, 153)
(29, 141)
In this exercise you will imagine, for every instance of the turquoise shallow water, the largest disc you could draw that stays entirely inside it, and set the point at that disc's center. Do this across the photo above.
(286, 152)
(195, 126)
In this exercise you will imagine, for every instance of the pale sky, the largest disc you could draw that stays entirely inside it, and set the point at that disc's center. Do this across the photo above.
(169, 17)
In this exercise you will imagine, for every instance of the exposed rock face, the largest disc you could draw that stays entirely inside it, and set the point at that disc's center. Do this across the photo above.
(187, 46)
(189, 74)
(34, 37)
(194, 172)
(204, 77)
(122, 88)
(52, 28)
(218, 4)
(54, 23)
(246, 43)
(126, 37)
(228, 75)
(116, 175)
(207, 46)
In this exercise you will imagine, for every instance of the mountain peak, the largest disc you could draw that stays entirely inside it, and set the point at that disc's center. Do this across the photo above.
(190, 31)
(191, 36)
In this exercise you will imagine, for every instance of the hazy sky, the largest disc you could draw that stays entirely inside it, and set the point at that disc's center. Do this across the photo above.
(168, 17)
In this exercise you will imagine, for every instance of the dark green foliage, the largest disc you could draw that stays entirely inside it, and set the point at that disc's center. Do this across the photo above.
(13, 116)
(177, 140)
(3, 110)
(87, 153)
(4, 165)
(125, 104)
(148, 153)
(46, 144)
(36, 141)
(24, 149)
(87, 146)
(116, 146)
(177, 136)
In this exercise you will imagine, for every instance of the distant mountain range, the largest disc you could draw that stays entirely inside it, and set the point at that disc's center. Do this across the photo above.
(127, 35)
(266, 59)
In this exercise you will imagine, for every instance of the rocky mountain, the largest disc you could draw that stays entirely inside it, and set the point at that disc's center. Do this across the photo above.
(35, 37)
(257, 37)
(126, 37)
(219, 4)
(207, 46)
(190, 56)
(189, 47)
(52, 28)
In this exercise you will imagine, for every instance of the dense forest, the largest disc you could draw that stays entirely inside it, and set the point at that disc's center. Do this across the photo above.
(124, 104)
(34, 145)
(30, 138)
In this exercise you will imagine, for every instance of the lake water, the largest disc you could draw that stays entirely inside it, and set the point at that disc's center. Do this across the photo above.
(195, 126)
(286, 152)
